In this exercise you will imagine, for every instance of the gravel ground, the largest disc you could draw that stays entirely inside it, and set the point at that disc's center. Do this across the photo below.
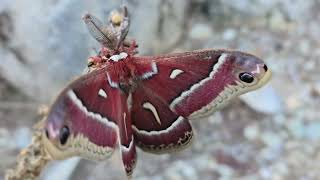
(273, 133)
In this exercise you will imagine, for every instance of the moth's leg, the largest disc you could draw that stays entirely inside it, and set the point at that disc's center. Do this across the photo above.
(93, 61)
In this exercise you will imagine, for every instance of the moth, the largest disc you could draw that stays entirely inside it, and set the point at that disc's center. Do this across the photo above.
(130, 101)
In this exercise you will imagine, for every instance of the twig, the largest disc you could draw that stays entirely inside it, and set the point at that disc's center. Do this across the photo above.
(31, 160)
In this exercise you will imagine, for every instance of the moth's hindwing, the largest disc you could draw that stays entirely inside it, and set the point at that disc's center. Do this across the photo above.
(156, 128)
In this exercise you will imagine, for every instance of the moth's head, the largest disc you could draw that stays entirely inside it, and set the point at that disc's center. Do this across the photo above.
(62, 136)
(249, 71)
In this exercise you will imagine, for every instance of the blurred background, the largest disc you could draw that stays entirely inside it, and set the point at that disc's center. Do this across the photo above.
(273, 133)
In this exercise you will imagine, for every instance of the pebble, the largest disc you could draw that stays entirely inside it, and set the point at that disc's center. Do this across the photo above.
(315, 90)
(216, 118)
(280, 119)
(265, 173)
(183, 171)
(304, 47)
(61, 170)
(229, 34)
(296, 128)
(264, 100)
(277, 21)
(281, 168)
(252, 132)
(201, 32)
(276, 176)
(309, 65)
(272, 139)
(312, 131)
(225, 171)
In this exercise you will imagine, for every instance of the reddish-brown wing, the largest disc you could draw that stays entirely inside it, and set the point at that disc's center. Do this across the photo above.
(157, 127)
(98, 112)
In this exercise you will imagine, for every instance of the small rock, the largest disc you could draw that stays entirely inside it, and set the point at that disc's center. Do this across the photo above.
(264, 100)
(296, 128)
(271, 139)
(216, 118)
(61, 170)
(309, 65)
(276, 176)
(277, 21)
(269, 154)
(229, 34)
(265, 173)
(313, 131)
(281, 168)
(252, 132)
(225, 171)
(181, 170)
(280, 119)
(200, 31)
(315, 90)
(304, 47)
(293, 103)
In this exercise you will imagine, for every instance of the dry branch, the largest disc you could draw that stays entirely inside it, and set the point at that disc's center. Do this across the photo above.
(31, 160)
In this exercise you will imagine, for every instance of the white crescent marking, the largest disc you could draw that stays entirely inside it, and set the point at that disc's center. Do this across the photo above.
(129, 101)
(152, 133)
(93, 115)
(125, 125)
(119, 57)
(112, 83)
(127, 149)
(149, 106)
(186, 93)
(151, 73)
(123, 55)
(115, 58)
(102, 93)
(175, 73)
